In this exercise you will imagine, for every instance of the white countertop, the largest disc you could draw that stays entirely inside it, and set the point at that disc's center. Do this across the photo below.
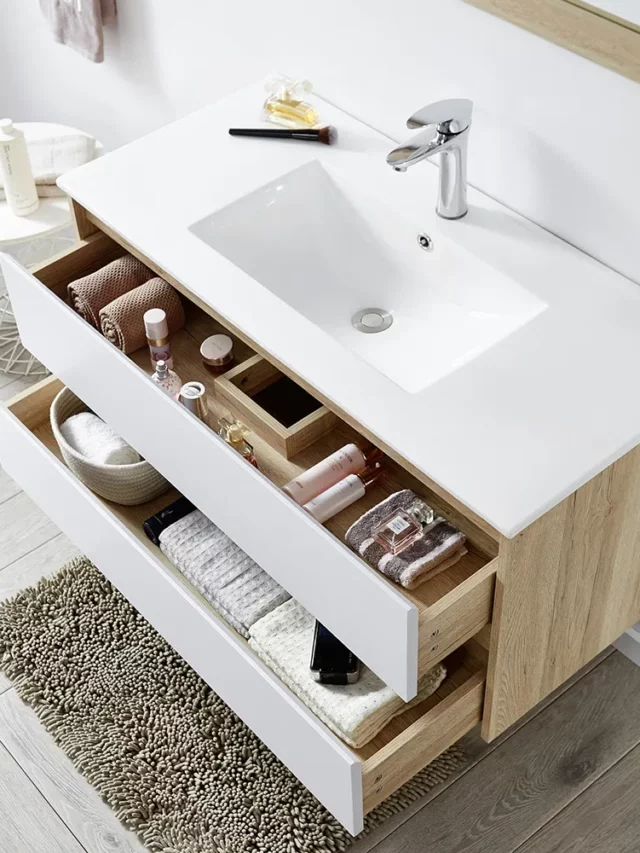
(510, 433)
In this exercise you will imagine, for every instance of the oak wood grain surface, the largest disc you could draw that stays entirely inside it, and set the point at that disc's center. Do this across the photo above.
(67, 792)
(606, 817)
(23, 527)
(566, 587)
(538, 771)
(603, 39)
(27, 823)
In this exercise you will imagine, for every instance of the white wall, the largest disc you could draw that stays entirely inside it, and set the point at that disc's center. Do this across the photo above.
(556, 137)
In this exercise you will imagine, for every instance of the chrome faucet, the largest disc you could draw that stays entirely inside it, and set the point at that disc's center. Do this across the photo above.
(447, 126)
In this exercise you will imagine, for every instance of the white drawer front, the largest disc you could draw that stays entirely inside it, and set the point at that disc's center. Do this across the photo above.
(375, 621)
(324, 764)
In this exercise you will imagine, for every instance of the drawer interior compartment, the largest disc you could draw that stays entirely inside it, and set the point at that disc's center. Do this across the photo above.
(277, 409)
(349, 782)
(451, 607)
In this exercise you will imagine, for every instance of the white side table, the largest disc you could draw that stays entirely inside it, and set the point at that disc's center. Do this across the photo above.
(31, 240)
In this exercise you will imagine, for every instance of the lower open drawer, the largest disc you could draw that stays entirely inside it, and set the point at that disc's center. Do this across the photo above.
(348, 782)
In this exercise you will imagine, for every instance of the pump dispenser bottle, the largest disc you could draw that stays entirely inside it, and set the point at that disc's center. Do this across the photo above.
(15, 169)
(343, 494)
(350, 459)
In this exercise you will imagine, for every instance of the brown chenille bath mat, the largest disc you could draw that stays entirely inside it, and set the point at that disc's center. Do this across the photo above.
(168, 756)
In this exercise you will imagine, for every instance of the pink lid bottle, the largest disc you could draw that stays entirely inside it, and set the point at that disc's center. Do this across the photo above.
(350, 459)
(157, 331)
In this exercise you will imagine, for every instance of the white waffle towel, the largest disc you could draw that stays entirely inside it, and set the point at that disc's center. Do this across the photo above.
(228, 578)
(355, 712)
(92, 438)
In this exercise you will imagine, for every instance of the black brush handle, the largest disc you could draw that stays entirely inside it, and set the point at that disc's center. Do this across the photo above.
(310, 134)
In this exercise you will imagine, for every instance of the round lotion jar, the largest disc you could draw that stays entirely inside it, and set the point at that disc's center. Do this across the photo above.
(216, 353)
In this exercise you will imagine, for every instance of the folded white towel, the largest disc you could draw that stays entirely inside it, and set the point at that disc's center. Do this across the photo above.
(228, 578)
(92, 438)
(355, 712)
(53, 150)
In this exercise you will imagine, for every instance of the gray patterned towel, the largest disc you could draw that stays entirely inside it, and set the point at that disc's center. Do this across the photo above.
(227, 577)
(440, 546)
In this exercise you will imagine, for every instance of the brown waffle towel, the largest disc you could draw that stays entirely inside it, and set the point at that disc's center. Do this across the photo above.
(122, 320)
(90, 294)
(441, 545)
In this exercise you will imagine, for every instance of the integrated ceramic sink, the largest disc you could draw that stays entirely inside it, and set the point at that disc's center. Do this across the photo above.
(354, 266)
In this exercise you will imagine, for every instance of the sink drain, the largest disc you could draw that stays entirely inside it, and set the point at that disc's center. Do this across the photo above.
(371, 320)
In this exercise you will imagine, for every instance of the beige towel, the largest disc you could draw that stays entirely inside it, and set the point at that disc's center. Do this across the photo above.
(122, 321)
(88, 295)
(355, 712)
(78, 24)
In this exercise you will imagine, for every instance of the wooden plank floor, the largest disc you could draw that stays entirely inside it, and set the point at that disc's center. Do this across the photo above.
(565, 779)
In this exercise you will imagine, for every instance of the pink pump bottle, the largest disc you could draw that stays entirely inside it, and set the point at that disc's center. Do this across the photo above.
(350, 459)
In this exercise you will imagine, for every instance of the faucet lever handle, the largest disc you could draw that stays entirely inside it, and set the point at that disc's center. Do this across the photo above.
(450, 116)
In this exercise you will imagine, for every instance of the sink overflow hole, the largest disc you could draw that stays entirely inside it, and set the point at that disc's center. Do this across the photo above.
(371, 320)
(425, 242)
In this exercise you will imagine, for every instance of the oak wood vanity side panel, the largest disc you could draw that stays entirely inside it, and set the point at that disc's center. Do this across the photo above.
(566, 587)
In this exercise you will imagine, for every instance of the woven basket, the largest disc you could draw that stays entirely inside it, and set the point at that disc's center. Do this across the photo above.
(123, 484)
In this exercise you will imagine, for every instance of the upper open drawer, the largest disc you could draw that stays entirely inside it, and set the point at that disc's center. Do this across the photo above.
(397, 633)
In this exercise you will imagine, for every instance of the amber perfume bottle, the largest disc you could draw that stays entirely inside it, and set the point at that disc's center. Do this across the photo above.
(286, 104)
(234, 433)
(403, 527)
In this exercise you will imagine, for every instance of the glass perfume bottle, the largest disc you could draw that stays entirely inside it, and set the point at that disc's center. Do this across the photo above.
(235, 433)
(169, 381)
(403, 527)
(286, 105)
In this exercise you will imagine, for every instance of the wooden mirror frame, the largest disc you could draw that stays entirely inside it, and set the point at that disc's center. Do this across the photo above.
(583, 29)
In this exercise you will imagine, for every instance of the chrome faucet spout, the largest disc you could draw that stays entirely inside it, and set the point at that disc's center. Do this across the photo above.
(447, 125)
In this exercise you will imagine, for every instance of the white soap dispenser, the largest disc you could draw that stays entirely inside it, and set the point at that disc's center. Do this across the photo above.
(15, 169)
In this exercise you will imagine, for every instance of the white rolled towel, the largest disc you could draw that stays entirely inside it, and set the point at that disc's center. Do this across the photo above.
(92, 438)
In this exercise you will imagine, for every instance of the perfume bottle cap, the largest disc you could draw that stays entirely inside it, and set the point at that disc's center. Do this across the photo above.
(422, 513)
(233, 431)
(155, 324)
(161, 369)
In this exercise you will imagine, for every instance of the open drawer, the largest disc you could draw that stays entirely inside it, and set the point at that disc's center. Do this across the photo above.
(348, 782)
(399, 634)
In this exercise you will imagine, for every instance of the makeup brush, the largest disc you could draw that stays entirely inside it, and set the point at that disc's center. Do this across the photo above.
(327, 135)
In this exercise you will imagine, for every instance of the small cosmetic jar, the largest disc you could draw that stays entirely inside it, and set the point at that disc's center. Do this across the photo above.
(216, 353)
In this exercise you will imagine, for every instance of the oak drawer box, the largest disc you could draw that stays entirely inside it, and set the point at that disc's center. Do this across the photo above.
(242, 388)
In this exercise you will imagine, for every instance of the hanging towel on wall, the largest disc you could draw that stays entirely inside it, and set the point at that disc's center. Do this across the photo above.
(78, 23)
